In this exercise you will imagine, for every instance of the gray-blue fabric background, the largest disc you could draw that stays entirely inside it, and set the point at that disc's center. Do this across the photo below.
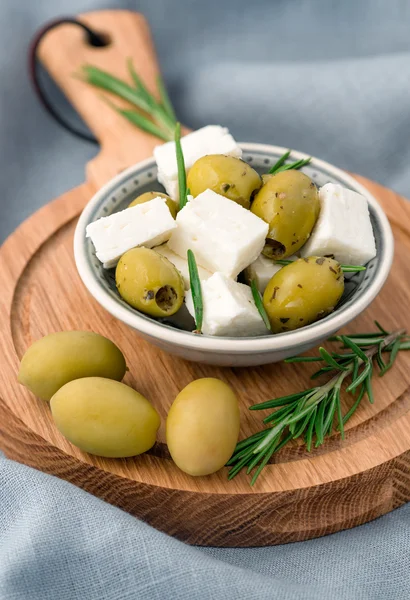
(328, 77)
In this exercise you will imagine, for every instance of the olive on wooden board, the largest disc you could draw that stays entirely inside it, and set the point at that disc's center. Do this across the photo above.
(105, 417)
(302, 292)
(203, 426)
(289, 203)
(58, 358)
(226, 175)
(149, 282)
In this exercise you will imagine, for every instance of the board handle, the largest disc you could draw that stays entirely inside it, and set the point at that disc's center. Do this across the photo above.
(65, 49)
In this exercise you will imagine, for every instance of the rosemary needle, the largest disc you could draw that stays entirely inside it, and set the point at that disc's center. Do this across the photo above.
(183, 192)
(280, 162)
(139, 86)
(196, 290)
(259, 305)
(312, 412)
(345, 268)
(165, 100)
(281, 166)
(156, 108)
(139, 120)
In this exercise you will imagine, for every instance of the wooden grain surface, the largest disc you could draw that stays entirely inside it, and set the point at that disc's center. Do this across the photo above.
(299, 495)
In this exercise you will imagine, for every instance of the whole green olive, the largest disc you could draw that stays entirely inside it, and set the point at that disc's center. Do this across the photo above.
(105, 417)
(58, 358)
(203, 426)
(147, 196)
(303, 292)
(226, 175)
(149, 282)
(289, 203)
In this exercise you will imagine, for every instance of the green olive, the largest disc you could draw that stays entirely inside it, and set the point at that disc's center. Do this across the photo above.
(203, 426)
(303, 292)
(105, 417)
(147, 196)
(226, 175)
(289, 203)
(58, 358)
(149, 282)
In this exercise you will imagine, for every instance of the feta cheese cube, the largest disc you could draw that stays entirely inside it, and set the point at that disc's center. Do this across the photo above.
(229, 308)
(149, 224)
(172, 189)
(182, 264)
(223, 235)
(343, 228)
(212, 139)
(262, 270)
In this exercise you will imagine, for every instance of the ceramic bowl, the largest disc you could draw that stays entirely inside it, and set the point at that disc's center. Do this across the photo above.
(360, 289)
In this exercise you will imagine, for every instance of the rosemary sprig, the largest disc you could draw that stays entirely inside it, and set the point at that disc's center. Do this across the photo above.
(139, 86)
(183, 191)
(259, 304)
(138, 120)
(281, 165)
(157, 118)
(196, 290)
(311, 413)
(345, 268)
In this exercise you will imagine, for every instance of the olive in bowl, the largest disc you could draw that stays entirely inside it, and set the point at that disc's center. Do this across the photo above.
(226, 175)
(303, 292)
(149, 282)
(289, 203)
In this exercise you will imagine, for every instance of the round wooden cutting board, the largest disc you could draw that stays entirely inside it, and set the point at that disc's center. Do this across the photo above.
(298, 496)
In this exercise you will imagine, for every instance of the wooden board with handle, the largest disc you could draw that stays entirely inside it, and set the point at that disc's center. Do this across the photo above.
(298, 496)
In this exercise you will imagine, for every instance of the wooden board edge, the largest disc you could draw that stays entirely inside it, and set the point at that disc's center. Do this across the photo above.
(190, 514)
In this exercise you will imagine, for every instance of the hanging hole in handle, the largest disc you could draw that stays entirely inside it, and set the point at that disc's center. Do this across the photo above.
(93, 38)
(98, 40)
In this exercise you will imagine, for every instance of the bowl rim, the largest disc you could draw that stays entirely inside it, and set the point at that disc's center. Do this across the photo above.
(263, 344)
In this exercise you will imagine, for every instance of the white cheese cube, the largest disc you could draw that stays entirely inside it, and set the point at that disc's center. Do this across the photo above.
(223, 235)
(182, 264)
(172, 189)
(229, 308)
(149, 224)
(343, 228)
(212, 139)
(262, 270)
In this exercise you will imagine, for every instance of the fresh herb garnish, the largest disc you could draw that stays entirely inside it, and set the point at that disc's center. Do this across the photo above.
(138, 120)
(183, 191)
(259, 304)
(310, 414)
(196, 290)
(159, 119)
(352, 268)
(345, 268)
(281, 166)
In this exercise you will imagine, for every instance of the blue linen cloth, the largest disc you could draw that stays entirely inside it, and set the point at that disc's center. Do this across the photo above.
(330, 78)
(59, 543)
